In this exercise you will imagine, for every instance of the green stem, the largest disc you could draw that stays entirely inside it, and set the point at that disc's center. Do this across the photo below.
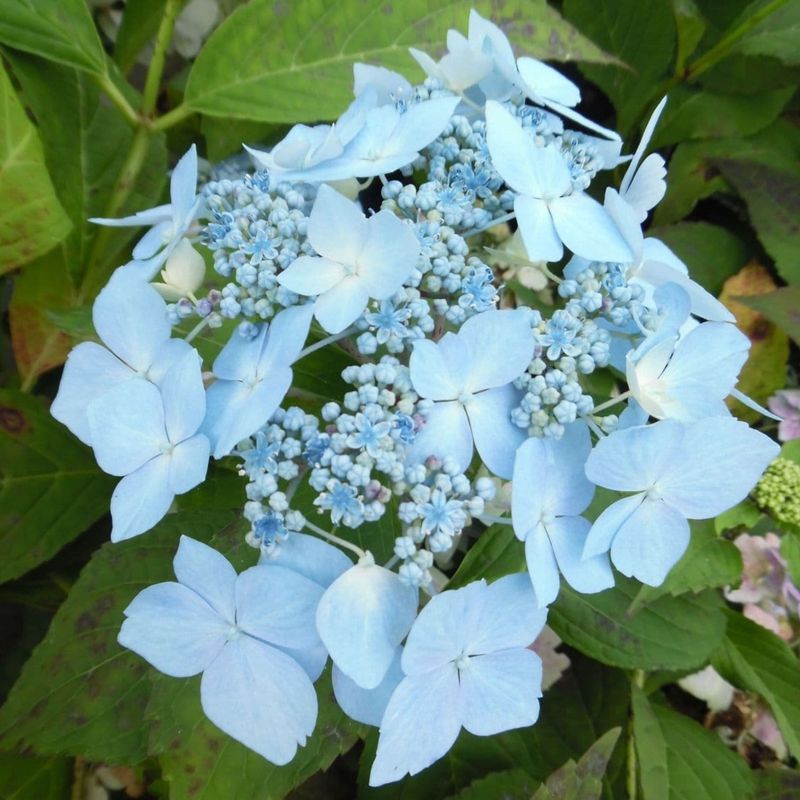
(335, 539)
(173, 117)
(637, 680)
(116, 96)
(152, 82)
(725, 45)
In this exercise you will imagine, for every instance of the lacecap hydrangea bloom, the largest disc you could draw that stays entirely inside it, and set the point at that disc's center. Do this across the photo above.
(376, 238)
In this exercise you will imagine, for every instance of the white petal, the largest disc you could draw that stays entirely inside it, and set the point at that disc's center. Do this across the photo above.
(496, 436)
(437, 367)
(141, 499)
(628, 224)
(643, 143)
(277, 605)
(389, 85)
(367, 705)
(587, 230)
(420, 725)
(174, 629)
(337, 228)
(341, 306)
(207, 572)
(90, 371)
(150, 216)
(537, 229)
(509, 616)
(446, 433)
(311, 659)
(501, 691)
(648, 186)
(389, 256)
(131, 319)
(127, 426)
(362, 617)
(148, 247)
(183, 184)
(650, 542)
(311, 275)
(311, 557)
(168, 354)
(188, 463)
(238, 360)
(184, 397)
(417, 127)
(607, 525)
(501, 347)
(542, 566)
(287, 335)
(261, 697)
(719, 462)
(568, 537)
(547, 83)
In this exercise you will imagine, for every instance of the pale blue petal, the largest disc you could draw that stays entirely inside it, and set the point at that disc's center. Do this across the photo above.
(542, 566)
(547, 83)
(188, 463)
(500, 691)
(341, 306)
(287, 335)
(367, 705)
(673, 304)
(501, 347)
(311, 659)
(648, 187)
(650, 542)
(131, 319)
(184, 397)
(311, 275)
(606, 526)
(511, 148)
(316, 560)
(529, 485)
(277, 605)
(539, 234)
(174, 629)
(420, 725)
(362, 617)
(337, 228)
(170, 352)
(647, 134)
(632, 460)
(633, 416)
(496, 436)
(261, 697)
(719, 462)
(437, 367)
(150, 216)
(568, 538)
(207, 572)
(141, 499)
(389, 255)
(418, 126)
(509, 616)
(149, 245)
(585, 227)
(183, 184)
(90, 371)
(238, 360)
(127, 426)
(575, 116)
(626, 221)
(446, 433)
(444, 628)
(390, 86)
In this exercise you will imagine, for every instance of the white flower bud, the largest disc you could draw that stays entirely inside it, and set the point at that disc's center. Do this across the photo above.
(183, 273)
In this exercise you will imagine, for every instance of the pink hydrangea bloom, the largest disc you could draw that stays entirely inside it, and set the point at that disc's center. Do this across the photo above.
(786, 404)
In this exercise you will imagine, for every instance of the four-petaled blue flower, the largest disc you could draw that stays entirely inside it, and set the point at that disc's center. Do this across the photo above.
(388, 321)
(368, 435)
(442, 515)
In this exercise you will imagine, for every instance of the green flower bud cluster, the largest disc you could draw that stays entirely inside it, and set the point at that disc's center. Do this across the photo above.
(778, 491)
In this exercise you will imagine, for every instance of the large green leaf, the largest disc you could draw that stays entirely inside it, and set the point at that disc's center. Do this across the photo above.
(672, 633)
(781, 307)
(51, 490)
(202, 763)
(139, 25)
(58, 30)
(645, 42)
(681, 760)
(773, 200)
(28, 778)
(510, 784)
(32, 221)
(776, 35)
(751, 657)
(776, 784)
(497, 552)
(273, 61)
(80, 692)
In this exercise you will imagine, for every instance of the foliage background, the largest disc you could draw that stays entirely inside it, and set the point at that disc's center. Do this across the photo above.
(89, 127)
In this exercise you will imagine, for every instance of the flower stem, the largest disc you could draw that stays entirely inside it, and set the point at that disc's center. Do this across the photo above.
(494, 520)
(637, 681)
(152, 82)
(497, 221)
(173, 117)
(612, 402)
(119, 100)
(334, 337)
(197, 329)
(335, 539)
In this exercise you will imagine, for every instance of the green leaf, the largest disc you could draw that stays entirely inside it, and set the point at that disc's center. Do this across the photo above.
(497, 552)
(32, 221)
(776, 784)
(690, 27)
(28, 778)
(790, 550)
(51, 490)
(58, 30)
(225, 137)
(777, 35)
(753, 658)
(510, 784)
(745, 515)
(671, 633)
(697, 114)
(773, 200)
(644, 42)
(81, 693)
(202, 763)
(584, 780)
(711, 252)
(139, 24)
(681, 760)
(781, 307)
(298, 62)
(708, 562)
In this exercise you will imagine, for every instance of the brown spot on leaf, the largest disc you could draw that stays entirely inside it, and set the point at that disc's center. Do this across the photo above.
(12, 421)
